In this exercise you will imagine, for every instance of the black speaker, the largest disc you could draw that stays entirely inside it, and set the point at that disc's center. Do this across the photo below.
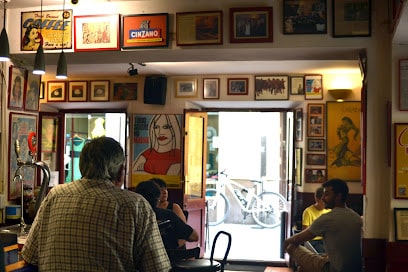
(155, 90)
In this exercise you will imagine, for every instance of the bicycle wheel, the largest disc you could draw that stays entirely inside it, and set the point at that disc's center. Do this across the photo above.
(218, 207)
(267, 209)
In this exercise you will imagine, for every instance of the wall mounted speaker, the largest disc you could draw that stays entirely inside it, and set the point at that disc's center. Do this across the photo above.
(155, 90)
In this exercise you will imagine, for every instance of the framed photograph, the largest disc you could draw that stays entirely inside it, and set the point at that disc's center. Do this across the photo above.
(313, 87)
(42, 90)
(316, 145)
(194, 28)
(297, 85)
(299, 124)
(401, 160)
(401, 224)
(315, 159)
(16, 87)
(21, 127)
(351, 18)
(304, 17)
(124, 91)
(315, 120)
(49, 140)
(185, 88)
(77, 91)
(344, 140)
(99, 90)
(32, 93)
(272, 87)
(211, 88)
(298, 166)
(251, 25)
(237, 86)
(56, 91)
(144, 31)
(96, 32)
(403, 84)
(315, 175)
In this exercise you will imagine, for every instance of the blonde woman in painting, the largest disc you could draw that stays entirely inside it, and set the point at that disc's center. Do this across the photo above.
(163, 156)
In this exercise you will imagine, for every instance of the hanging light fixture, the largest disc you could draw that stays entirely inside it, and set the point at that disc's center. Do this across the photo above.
(4, 42)
(62, 62)
(39, 62)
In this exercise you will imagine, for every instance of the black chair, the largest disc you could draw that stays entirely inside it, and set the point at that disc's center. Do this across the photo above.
(205, 265)
(176, 255)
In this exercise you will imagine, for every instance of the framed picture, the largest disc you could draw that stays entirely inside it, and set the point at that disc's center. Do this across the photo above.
(99, 90)
(316, 145)
(298, 165)
(185, 88)
(211, 88)
(49, 139)
(351, 18)
(315, 120)
(96, 32)
(299, 124)
(21, 127)
(315, 175)
(401, 224)
(251, 25)
(272, 87)
(297, 85)
(315, 159)
(237, 86)
(403, 84)
(344, 140)
(42, 90)
(124, 91)
(32, 93)
(401, 159)
(193, 28)
(56, 91)
(77, 91)
(313, 87)
(16, 87)
(304, 17)
(144, 30)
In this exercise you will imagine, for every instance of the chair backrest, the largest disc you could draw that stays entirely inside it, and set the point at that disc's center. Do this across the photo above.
(227, 250)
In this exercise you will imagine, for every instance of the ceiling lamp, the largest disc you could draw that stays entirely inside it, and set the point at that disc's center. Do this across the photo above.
(340, 94)
(39, 62)
(4, 42)
(62, 62)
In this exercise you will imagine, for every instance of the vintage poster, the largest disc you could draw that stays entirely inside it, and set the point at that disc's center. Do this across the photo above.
(401, 160)
(157, 148)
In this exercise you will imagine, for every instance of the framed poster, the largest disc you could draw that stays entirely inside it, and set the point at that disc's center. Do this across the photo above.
(315, 120)
(251, 25)
(299, 124)
(344, 140)
(351, 18)
(21, 126)
(403, 84)
(315, 175)
(99, 90)
(124, 91)
(313, 87)
(304, 17)
(237, 86)
(56, 91)
(77, 91)
(211, 88)
(298, 165)
(275, 87)
(297, 85)
(401, 160)
(194, 28)
(144, 30)
(315, 159)
(32, 93)
(401, 224)
(48, 124)
(185, 88)
(16, 87)
(96, 32)
(316, 145)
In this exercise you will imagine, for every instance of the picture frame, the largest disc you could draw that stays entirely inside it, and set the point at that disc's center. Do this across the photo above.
(401, 158)
(299, 124)
(351, 18)
(316, 145)
(315, 159)
(315, 175)
(298, 166)
(403, 84)
(297, 86)
(315, 120)
(56, 91)
(313, 87)
(32, 92)
(49, 140)
(401, 224)
(211, 88)
(304, 17)
(274, 87)
(185, 88)
(99, 91)
(134, 27)
(343, 141)
(86, 37)
(16, 87)
(124, 91)
(199, 28)
(237, 86)
(77, 91)
(42, 90)
(241, 20)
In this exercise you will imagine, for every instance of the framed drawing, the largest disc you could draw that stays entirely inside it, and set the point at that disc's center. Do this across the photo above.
(251, 25)
(194, 28)
(313, 87)
(56, 91)
(144, 31)
(401, 224)
(185, 88)
(211, 88)
(315, 159)
(124, 91)
(304, 17)
(299, 124)
(21, 127)
(77, 91)
(344, 140)
(272, 87)
(237, 86)
(401, 159)
(96, 32)
(32, 93)
(316, 145)
(297, 85)
(298, 166)
(315, 175)
(99, 90)
(351, 18)
(403, 84)
(16, 87)
(315, 120)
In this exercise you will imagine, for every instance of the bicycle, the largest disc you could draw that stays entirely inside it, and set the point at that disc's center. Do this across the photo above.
(265, 207)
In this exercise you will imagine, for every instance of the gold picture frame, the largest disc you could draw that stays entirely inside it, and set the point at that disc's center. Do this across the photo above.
(185, 88)
(77, 91)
